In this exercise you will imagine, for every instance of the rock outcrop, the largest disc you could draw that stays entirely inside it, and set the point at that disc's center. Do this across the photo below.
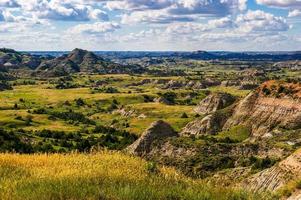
(248, 85)
(157, 131)
(272, 105)
(125, 112)
(292, 65)
(210, 82)
(214, 121)
(277, 176)
(208, 125)
(173, 84)
(214, 102)
(230, 83)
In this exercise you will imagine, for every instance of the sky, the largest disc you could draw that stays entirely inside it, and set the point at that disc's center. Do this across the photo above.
(151, 25)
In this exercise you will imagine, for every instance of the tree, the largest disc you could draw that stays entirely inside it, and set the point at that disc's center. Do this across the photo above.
(184, 115)
(79, 102)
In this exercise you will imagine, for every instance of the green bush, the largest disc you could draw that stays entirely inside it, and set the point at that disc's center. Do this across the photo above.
(151, 167)
(262, 163)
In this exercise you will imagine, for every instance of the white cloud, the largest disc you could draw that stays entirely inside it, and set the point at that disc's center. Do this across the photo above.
(294, 13)
(153, 16)
(181, 7)
(96, 28)
(13, 27)
(9, 3)
(154, 24)
(281, 3)
(208, 8)
(179, 29)
(138, 4)
(99, 14)
(169, 11)
(261, 21)
(242, 4)
(64, 10)
(224, 22)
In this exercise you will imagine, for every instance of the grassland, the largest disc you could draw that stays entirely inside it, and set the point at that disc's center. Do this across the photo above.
(102, 175)
(78, 105)
(45, 95)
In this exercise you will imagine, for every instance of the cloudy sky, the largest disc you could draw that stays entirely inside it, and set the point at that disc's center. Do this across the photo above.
(236, 25)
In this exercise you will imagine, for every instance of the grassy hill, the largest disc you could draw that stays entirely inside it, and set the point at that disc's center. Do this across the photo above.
(102, 175)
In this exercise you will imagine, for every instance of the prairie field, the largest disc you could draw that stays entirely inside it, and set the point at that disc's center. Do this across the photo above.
(101, 175)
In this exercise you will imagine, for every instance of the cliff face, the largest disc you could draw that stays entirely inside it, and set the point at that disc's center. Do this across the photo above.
(214, 102)
(207, 125)
(274, 178)
(266, 109)
(157, 131)
(219, 107)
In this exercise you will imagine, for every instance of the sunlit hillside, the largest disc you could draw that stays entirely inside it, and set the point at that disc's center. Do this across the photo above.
(104, 175)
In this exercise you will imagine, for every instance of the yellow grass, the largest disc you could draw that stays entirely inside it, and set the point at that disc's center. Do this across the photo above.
(103, 175)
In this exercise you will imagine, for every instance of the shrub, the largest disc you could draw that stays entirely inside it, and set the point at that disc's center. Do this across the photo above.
(184, 115)
(80, 102)
(72, 116)
(147, 98)
(169, 96)
(40, 111)
(10, 141)
(262, 163)
(298, 184)
(151, 167)
(266, 91)
(28, 119)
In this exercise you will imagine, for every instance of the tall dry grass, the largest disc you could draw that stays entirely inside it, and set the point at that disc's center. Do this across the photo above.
(102, 175)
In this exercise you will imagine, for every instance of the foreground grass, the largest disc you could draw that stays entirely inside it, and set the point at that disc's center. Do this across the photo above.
(104, 175)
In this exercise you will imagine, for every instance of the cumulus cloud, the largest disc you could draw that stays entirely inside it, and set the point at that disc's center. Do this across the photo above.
(154, 22)
(257, 22)
(99, 14)
(195, 28)
(281, 3)
(261, 21)
(138, 4)
(163, 11)
(96, 28)
(13, 27)
(210, 8)
(134, 11)
(7, 16)
(244, 28)
(185, 28)
(169, 11)
(67, 10)
(153, 16)
(225, 22)
(294, 13)
(9, 3)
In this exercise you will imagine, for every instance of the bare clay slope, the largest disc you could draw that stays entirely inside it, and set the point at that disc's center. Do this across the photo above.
(274, 178)
(272, 105)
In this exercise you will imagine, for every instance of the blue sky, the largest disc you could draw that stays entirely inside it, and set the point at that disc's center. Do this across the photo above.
(235, 25)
